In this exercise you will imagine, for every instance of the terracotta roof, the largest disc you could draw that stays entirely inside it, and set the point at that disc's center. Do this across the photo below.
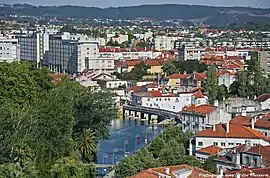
(201, 109)
(198, 94)
(261, 172)
(152, 62)
(243, 120)
(178, 76)
(118, 63)
(210, 150)
(135, 88)
(261, 150)
(133, 62)
(159, 94)
(263, 97)
(235, 131)
(154, 172)
(223, 72)
(263, 123)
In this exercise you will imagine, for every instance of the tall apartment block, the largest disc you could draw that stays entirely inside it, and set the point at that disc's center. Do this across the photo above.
(33, 46)
(74, 54)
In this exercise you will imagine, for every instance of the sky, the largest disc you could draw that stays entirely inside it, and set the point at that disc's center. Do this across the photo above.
(117, 3)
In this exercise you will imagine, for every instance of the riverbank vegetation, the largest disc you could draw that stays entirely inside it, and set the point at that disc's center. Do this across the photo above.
(168, 149)
(49, 129)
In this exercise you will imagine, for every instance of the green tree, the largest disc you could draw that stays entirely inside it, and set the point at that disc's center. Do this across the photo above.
(86, 143)
(210, 164)
(169, 68)
(211, 84)
(142, 44)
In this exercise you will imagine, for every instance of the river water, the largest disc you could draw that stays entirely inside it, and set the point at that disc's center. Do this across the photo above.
(126, 136)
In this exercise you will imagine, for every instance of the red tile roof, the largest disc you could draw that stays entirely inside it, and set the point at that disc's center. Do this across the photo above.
(152, 62)
(223, 72)
(118, 63)
(235, 131)
(178, 76)
(155, 172)
(263, 97)
(201, 109)
(159, 94)
(198, 94)
(242, 120)
(210, 150)
(263, 123)
(131, 63)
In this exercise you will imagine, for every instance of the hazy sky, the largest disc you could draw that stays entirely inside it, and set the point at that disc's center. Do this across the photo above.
(108, 3)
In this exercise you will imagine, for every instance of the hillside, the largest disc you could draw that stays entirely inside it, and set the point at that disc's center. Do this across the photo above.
(207, 14)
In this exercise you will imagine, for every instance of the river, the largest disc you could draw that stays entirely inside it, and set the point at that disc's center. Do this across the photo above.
(126, 136)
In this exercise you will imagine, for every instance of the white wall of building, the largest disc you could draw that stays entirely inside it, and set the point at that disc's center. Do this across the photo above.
(174, 104)
(226, 80)
(115, 84)
(266, 104)
(9, 50)
(229, 142)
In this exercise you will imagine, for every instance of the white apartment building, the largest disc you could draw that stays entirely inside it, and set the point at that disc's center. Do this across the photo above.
(190, 53)
(9, 50)
(159, 100)
(165, 42)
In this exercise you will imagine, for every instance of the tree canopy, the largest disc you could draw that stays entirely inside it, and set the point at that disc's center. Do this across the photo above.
(251, 82)
(43, 125)
(183, 66)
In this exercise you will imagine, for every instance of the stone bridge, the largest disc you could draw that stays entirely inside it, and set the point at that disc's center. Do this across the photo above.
(149, 114)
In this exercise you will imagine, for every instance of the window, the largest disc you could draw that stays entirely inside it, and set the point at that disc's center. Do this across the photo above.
(203, 120)
(200, 143)
(215, 143)
(222, 143)
(173, 107)
(157, 99)
(87, 48)
(165, 99)
(168, 99)
(265, 133)
(231, 144)
(254, 144)
(148, 99)
(238, 143)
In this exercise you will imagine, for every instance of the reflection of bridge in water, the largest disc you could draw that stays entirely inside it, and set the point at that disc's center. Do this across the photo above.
(150, 115)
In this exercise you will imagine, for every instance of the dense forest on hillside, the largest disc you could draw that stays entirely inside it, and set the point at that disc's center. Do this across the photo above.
(207, 14)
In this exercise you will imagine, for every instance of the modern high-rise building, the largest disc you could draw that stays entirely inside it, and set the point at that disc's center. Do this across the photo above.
(9, 49)
(75, 53)
(33, 46)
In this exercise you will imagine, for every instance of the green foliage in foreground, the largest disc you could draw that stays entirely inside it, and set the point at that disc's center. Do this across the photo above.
(169, 148)
(47, 129)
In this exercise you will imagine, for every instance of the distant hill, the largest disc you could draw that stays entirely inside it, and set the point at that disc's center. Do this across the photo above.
(207, 14)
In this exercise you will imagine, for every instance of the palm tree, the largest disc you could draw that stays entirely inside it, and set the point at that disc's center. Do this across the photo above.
(86, 143)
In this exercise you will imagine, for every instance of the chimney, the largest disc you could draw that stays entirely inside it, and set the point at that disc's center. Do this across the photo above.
(228, 127)
(252, 123)
(216, 103)
(185, 72)
(214, 127)
(167, 171)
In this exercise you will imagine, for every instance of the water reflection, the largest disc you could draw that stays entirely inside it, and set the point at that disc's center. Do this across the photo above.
(126, 136)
